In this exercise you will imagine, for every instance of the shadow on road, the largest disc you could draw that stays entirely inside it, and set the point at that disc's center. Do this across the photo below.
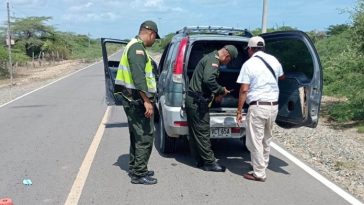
(123, 162)
(117, 124)
(231, 153)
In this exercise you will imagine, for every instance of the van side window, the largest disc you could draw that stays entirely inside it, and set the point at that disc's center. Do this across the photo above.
(170, 57)
(162, 61)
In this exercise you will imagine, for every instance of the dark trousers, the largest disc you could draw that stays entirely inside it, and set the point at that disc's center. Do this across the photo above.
(199, 132)
(141, 131)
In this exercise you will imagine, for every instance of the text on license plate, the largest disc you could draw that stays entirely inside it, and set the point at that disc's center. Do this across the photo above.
(220, 132)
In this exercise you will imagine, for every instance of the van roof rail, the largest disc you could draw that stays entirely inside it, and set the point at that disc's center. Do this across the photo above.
(215, 30)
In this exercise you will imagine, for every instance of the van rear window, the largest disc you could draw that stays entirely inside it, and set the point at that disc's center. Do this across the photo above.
(201, 48)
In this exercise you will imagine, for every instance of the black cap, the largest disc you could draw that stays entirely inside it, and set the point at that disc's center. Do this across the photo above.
(151, 25)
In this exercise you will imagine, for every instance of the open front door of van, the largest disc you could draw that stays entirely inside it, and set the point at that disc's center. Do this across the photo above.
(111, 64)
(301, 91)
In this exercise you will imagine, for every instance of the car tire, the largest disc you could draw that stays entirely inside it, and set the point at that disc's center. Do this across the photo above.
(167, 144)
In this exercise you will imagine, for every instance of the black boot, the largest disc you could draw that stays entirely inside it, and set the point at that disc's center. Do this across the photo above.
(149, 174)
(146, 180)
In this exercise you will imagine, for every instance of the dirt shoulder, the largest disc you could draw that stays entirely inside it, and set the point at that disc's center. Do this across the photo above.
(26, 75)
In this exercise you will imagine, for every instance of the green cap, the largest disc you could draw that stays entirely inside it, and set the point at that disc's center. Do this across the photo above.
(232, 51)
(151, 25)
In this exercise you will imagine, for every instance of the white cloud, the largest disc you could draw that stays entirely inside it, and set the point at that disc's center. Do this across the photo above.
(79, 8)
(153, 3)
(155, 6)
(91, 17)
(27, 2)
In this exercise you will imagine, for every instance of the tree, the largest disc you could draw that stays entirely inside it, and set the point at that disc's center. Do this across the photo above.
(358, 24)
(337, 29)
(342, 55)
(31, 32)
(3, 61)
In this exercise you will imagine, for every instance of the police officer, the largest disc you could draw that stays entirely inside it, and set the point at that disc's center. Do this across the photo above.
(136, 78)
(202, 89)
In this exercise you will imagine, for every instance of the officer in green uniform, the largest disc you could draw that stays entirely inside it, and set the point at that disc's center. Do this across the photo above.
(203, 88)
(136, 79)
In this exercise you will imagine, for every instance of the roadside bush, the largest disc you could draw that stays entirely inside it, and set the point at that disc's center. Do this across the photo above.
(342, 57)
(3, 61)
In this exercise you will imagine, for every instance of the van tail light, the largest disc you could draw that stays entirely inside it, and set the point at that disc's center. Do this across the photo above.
(235, 130)
(180, 123)
(179, 63)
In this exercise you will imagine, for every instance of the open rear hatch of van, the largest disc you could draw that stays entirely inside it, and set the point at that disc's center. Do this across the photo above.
(222, 114)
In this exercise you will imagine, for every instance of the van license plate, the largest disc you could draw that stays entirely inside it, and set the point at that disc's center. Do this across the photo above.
(220, 132)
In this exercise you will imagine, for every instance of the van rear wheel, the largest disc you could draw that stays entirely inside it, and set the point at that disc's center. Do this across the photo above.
(166, 144)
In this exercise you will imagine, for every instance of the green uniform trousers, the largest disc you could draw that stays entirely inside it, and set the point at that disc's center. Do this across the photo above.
(199, 132)
(141, 131)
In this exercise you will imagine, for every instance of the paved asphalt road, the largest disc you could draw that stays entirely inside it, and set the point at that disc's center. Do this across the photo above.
(46, 135)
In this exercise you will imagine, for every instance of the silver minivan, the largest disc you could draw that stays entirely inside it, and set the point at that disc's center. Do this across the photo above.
(300, 92)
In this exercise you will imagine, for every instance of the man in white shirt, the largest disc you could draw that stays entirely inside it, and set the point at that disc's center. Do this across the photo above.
(259, 88)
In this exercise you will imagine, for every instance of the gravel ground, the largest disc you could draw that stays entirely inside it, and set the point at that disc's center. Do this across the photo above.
(334, 152)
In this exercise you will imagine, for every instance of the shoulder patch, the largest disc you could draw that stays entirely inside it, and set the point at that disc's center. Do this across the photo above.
(139, 52)
(215, 65)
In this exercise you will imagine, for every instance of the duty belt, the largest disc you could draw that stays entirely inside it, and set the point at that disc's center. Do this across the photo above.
(263, 103)
(133, 101)
(194, 94)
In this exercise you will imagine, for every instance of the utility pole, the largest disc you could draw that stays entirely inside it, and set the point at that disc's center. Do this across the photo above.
(9, 50)
(89, 40)
(264, 16)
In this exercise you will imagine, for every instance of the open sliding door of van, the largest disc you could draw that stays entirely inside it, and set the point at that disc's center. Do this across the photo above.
(301, 91)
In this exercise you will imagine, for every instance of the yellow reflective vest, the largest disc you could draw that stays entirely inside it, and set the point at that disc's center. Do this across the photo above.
(124, 76)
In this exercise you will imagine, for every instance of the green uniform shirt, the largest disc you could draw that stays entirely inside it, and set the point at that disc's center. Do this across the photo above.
(137, 58)
(204, 78)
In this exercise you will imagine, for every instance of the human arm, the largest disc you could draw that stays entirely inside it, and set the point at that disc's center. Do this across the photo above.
(210, 75)
(137, 58)
(243, 92)
(244, 81)
(149, 109)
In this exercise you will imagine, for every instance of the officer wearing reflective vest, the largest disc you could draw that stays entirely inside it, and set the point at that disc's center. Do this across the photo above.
(203, 88)
(135, 76)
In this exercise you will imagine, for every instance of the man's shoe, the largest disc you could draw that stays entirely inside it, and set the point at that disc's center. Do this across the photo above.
(250, 176)
(146, 180)
(149, 173)
(214, 167)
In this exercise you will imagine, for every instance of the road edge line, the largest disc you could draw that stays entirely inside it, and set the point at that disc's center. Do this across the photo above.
(59, 79)
(80, 180)
(345, 195)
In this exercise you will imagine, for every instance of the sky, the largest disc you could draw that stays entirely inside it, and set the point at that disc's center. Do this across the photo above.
(121, 18)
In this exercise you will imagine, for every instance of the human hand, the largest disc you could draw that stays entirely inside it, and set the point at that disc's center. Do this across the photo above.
(149, 109)
(226, 91)
(219, 98)
(239, 118)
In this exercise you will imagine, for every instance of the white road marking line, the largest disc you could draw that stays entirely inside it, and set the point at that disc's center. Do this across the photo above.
(349, 198)
(48, 84)
(84, 170)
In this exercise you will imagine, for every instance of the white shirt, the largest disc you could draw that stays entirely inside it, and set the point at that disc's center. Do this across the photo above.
(262, 85)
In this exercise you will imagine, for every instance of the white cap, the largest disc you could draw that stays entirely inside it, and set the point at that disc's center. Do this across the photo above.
(256, 41)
